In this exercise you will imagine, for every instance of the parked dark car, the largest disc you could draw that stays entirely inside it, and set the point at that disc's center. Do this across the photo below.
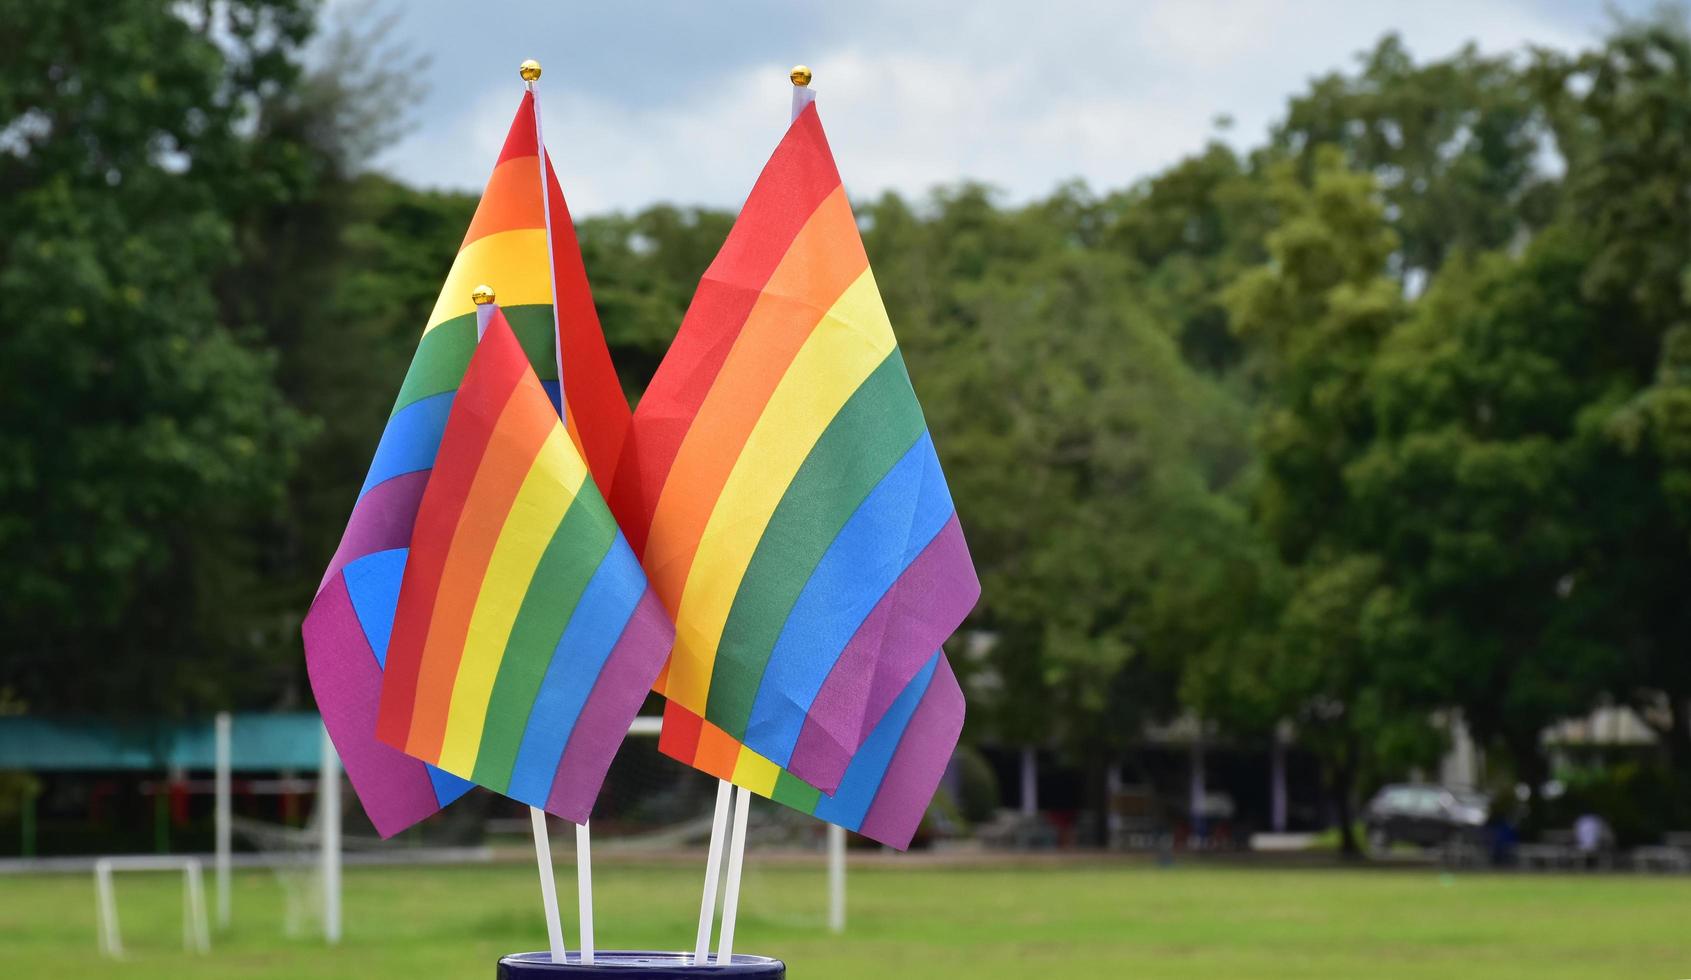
(1425, 815)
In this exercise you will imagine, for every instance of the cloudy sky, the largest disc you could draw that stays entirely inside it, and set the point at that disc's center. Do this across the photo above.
(682, 101)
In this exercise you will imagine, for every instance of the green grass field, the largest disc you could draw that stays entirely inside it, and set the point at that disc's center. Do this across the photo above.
(1109, 921)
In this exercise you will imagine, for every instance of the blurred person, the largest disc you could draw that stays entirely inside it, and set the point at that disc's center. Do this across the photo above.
(1593, 838)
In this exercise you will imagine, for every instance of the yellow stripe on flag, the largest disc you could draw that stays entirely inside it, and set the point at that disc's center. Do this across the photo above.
(755, 773)
(844, 349)
(546, 493)
(512, 262)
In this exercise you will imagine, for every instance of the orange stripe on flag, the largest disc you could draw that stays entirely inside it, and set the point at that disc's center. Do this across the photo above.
(511, 200)
(717, 753)
(825, 259)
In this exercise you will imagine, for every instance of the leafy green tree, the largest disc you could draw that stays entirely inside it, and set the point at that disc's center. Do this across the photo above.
(1456, 147)
(1481, 401)
(644, 268)
(1190, 231)
(1317, 315)
(1089, 461)
(1621, 112)
(140, 429)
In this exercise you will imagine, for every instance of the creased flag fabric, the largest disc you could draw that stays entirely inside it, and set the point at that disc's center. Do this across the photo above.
(888, 782)
(782, 489)
(526, 636)
(347, 629)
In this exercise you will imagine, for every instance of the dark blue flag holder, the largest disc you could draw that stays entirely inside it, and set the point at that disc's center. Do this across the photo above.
(637, 966)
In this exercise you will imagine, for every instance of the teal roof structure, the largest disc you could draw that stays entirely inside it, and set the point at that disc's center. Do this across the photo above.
(258, 743)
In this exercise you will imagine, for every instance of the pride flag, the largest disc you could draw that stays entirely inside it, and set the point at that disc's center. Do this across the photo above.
(526, 636)
(550, 310)
(781, 487)
(888, 783)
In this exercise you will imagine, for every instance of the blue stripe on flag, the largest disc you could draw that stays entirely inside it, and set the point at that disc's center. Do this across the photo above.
(447, 787)
(411, 439)
(888, 530)
(372, 582)
(595, 625)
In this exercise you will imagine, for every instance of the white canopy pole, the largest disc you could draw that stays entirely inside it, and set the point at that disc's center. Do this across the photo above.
(222, 751)
(329, 804)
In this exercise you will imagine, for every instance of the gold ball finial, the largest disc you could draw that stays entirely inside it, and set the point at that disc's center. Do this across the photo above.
(482, 295)
(800, 75)
(530, 70)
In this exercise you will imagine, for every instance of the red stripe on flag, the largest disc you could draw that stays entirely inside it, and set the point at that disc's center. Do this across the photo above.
(597, 405)
(519, 141)
(679, 737)
(799, 175)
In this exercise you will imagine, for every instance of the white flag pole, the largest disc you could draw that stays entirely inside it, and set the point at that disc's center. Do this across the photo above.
(836, 879)
(713, 865)
(736, 860)
(485, 301)
(803, 94)
(584, 889)
(802, 97)
(530, 72)
(548, 887)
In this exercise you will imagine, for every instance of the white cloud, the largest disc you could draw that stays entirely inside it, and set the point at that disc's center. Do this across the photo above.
(917, 95)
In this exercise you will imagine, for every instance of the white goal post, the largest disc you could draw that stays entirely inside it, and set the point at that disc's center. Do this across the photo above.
(196, 935)
(329, 838)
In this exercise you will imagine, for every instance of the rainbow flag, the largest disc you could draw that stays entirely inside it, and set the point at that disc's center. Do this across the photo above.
(551, 311)
(525, 637)
(888, 783)
(781, 487)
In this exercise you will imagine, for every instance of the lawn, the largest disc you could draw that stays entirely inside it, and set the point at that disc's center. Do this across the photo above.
(1112, 920)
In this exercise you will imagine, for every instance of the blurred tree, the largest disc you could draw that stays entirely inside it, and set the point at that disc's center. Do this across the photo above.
(644, 269)
(337, 272)
(1317, 314)
(1088, 461)
(1479, 400)
(1190, 230)
(1622, 114)
(140, 429)
(1457, 147)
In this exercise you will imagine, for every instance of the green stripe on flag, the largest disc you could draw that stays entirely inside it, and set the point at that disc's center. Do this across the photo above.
(444, 352)
(874, 429)
(794, 792)
(577, 547)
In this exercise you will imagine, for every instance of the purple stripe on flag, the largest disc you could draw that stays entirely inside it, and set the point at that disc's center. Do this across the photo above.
(395, 789)
(381, 519)
(912, 620)
(617, 695)
(919, 763)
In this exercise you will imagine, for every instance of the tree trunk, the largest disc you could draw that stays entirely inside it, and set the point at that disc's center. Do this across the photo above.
(1676, 741)
(1341, 782)
(1532, 770)
(1098, 797)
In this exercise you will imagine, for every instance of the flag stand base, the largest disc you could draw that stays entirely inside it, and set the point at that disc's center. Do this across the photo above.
(631, 965)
